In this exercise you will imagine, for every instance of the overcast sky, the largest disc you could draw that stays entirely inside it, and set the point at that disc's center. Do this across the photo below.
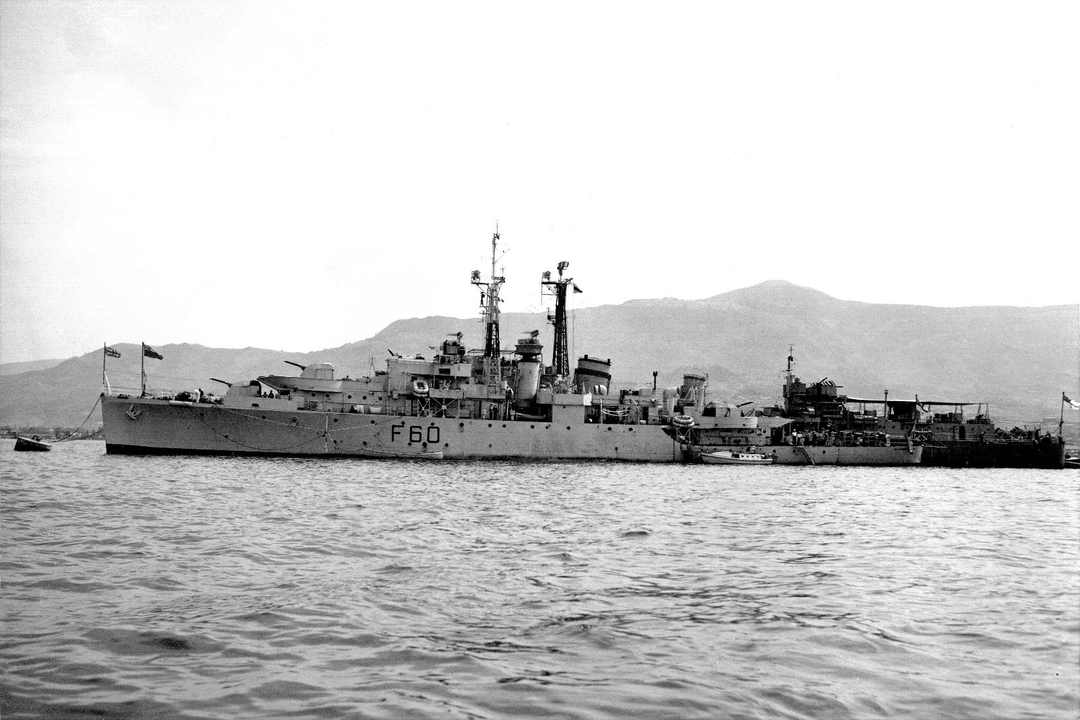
(297, 175)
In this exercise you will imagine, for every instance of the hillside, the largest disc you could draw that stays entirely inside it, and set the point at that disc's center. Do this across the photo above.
(1017, 359)
(14, 368)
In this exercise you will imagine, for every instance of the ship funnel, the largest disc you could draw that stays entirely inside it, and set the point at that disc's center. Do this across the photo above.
(692, 391)
(529, 351)
(592, 375)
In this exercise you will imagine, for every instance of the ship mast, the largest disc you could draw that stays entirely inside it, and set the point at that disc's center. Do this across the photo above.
(560, 361)
(788, 374)
(489, 309)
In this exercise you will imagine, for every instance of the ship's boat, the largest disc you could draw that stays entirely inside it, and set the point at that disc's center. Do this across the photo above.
(31, 444)
(734, 457)
(459, 403)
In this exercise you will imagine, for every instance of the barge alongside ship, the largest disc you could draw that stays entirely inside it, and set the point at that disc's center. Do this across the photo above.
(821, 415)
(462, 404)
(953, 439)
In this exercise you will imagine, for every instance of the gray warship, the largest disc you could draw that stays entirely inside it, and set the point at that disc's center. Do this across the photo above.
(465, 404)
(821, 415)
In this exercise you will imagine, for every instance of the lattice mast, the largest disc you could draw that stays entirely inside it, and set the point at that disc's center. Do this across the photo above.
(560, 361)
(789, 379)
(489, 310)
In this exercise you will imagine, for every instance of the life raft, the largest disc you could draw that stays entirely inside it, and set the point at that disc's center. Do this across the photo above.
(682, 421)
(420, 388)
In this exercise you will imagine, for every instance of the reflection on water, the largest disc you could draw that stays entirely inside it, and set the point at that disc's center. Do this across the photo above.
(215, 587)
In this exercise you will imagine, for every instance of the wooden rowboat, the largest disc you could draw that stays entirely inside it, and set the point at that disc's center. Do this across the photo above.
(31, 444)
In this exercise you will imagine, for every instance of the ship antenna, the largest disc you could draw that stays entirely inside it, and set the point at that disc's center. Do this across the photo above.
(489, 309)
(494, 243)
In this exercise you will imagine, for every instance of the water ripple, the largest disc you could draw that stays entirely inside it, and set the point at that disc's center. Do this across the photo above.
(247, 588)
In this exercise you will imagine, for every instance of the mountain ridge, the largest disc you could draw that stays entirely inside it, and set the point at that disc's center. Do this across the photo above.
(1018, 358)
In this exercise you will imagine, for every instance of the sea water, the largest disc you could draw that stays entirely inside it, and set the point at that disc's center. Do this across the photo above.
(191, 587)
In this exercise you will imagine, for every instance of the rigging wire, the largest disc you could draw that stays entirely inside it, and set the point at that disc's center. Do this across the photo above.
(76, 430)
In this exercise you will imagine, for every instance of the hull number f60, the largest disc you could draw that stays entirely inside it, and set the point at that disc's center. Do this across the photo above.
(414, 433)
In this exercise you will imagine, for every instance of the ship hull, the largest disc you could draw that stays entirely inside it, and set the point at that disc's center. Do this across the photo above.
(1047, 454)
(145, 426)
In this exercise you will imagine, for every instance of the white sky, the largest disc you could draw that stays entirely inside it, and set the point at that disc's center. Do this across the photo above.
(298, 175)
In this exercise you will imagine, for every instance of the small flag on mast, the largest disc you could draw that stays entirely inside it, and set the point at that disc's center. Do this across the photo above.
(150, 352)
(111, 353)
(1075, 405)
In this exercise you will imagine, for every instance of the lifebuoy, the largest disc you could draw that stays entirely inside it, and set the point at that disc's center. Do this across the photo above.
(420, 387)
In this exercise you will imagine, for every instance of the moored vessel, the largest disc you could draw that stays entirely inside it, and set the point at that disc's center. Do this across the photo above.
(734, 457)
(31, 444)
(947, 434)
(462, 403)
